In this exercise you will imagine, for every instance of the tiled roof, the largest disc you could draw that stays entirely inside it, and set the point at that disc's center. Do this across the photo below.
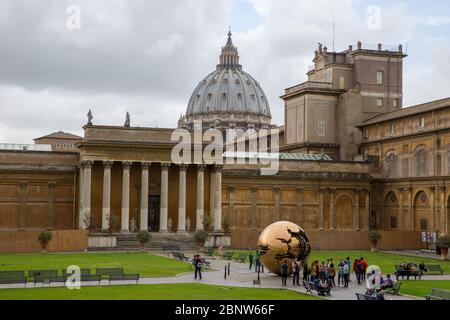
(60, 135)
(409, 111)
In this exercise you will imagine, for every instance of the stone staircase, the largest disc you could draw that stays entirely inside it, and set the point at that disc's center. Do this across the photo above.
(128, 242)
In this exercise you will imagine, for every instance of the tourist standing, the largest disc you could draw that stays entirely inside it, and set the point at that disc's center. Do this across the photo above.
(346, 274)
(340, 274)
(305, 271)
(364, 269)
(257, 261)
(348, 262)
(198, 267)
(284, 273)
(332, 274)
(250, 260)
(296, 272)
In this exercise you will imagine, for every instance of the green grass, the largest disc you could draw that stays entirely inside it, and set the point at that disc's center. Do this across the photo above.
(421, 288)
(147, 265)
(385, 261)
(154, 292)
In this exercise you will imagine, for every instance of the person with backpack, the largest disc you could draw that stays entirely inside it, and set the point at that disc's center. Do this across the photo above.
(198, 267)
(250, 260)
(340, 274)
(346, 274)
(359, 271)
(284, 273)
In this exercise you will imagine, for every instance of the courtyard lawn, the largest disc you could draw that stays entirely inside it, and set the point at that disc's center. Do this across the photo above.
(385, 261)
(146, 264)
(421, 288)
(154, 292)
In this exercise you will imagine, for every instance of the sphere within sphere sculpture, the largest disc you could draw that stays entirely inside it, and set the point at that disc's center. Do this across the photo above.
(282, 241)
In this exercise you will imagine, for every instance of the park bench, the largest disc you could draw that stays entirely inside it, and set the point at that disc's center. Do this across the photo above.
(124, 277)
(48, 279)
(91, 278)
(438, 294)
(171, 247)
(82, 272)
(362, 296)
(309, 286)
(183, 257)
(400, 272)
(241, 258)
(395, 289)
(32, 274)
(12, 274)
(108, 271)
(13, 280)
(228, 255)
(434, 269)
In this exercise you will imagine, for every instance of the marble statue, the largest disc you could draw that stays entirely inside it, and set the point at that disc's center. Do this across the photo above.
(90, 117)
(169, 224)
(127, 120)
(188, 224)
(133, 227)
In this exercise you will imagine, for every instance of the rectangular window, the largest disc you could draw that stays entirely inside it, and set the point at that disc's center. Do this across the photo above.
(380, 77)
(380, 102)
(321, 128)
(422, 123)
(438, 164)
(423, 224)
(392, 128)
(393, 223)
(405, 168)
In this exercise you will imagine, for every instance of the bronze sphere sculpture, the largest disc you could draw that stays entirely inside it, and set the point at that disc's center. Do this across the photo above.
(282, 241)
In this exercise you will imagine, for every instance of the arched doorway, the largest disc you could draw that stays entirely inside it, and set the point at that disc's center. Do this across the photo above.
(344, 212)
(392, 209)
(422, 213)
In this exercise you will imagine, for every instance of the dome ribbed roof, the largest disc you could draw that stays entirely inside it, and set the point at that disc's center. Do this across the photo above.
(229, 95)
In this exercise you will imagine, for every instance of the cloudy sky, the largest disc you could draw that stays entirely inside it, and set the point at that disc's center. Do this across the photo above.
(58, 59)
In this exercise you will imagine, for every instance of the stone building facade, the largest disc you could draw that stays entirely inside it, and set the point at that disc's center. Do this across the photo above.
(387, 170)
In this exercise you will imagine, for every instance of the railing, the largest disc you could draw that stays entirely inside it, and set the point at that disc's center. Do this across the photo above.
(25, 147)
(309, 85)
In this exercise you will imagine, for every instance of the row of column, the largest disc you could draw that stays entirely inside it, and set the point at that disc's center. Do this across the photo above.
(356, 209)
(85, 196)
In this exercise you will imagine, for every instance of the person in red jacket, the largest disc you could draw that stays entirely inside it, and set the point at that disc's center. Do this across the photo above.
(364, 268)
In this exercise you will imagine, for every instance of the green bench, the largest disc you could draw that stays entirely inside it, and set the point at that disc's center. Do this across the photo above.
(434, 269)
(124, 277)
(438, 294)
(401, 272)
(33, 274)
(48, 279)
(228, 255)
(82, 272)
(13, 280)
(395, 290)
(11, 274)
(106, 272)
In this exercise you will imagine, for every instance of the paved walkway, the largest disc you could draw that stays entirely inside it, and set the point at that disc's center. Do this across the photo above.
(240, 276)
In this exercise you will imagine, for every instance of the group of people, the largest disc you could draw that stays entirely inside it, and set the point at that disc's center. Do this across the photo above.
(255, 261)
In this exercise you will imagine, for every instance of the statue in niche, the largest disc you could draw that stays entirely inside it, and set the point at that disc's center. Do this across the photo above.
(169, 224)
(188, 224)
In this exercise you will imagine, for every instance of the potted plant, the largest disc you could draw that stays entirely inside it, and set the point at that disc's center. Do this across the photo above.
(144, 237)
(226, 226)
(113, 223)
(44, 238)
(201, 236)
(374, 237)
(443, 243)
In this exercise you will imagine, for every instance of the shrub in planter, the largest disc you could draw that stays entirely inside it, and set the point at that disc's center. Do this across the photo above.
(443, 243)
(44, 238)
(374, 237)
(144, 237)
(201, 237)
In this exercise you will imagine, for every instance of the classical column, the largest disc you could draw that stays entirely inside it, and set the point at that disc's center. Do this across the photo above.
(367, 209)
(356, 226)
(106, 208)
(212, 192)
(126, 197)
(80, 194)
(321, 190)
(401, 213)
(51, 204)
(231, 216)
(332, 222)
(23, 195)
(143, 221)
(443, 215)
(277, 191)
(299, 199)
(86, 216)
(218, 199)
(182, 200)
(433, 209)
(163, 215)
(200, 197)
(254, 207)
